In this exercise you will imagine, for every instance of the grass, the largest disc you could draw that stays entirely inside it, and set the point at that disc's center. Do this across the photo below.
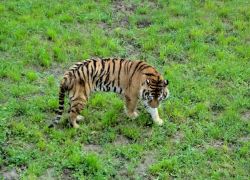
(202, 47)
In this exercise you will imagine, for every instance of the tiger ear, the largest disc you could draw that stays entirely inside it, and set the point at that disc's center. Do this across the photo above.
(166, 82)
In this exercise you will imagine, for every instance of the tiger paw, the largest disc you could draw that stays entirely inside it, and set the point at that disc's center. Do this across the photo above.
(75, 125)
(79, 118)
(133, 115)
(158, 121)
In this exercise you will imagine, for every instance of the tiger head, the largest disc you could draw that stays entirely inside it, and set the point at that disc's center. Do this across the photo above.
(154, 91)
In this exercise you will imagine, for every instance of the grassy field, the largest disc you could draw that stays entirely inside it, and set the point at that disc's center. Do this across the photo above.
(201, 47)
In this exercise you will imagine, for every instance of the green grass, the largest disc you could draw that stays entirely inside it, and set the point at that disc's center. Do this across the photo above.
(201, 47)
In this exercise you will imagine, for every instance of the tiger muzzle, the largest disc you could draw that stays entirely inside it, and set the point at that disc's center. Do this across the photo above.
(153, 103)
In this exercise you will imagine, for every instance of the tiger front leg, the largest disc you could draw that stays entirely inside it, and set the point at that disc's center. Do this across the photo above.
(131, 104)
(75, 109)
(154, 114)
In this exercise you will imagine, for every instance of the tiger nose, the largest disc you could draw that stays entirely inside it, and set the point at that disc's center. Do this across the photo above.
(153, 103)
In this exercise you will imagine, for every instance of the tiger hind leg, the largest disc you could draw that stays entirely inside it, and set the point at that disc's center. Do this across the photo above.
(73, 116)
(75, 109)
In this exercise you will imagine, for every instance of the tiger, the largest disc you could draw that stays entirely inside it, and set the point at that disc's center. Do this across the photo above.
(134, 80)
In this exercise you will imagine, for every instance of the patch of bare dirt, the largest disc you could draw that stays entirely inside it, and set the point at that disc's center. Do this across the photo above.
(143, 23)
(211, 39)
(9, 174)
(147, 133)
(123, 173)
(132, 51)
(121, 167)
(177, 137)
(48, 174)
(92, 148)
(220, 144)
(67, 174)
(217, 109)
(124, 21)
(104, 25)
(120, 140)
(58, 70)
(122, 10)
(244, 139)
(142, 169)
(123, 6)
(217, 143)
(246, 115)
(180, 58)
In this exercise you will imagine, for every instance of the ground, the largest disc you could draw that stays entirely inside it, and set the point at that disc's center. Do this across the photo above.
(201, 47)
